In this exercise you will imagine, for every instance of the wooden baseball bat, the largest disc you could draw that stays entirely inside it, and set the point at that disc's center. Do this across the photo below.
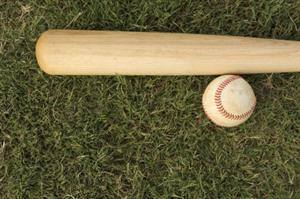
(80, 52)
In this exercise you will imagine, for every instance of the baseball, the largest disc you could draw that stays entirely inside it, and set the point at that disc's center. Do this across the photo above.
(228, 100)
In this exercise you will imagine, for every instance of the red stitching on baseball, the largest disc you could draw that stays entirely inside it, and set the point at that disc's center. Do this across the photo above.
(220, 106)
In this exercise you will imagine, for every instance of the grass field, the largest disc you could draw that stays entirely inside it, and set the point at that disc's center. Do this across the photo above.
(142, 137)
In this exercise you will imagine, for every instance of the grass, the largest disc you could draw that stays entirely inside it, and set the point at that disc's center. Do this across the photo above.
(142, 137)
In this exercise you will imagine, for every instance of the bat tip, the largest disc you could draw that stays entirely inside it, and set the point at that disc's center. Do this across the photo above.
(41, 54)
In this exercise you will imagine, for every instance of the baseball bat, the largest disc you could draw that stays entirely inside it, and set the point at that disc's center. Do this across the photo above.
(82, 52)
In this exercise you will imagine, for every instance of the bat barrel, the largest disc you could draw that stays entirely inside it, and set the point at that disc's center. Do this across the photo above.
(75, 52)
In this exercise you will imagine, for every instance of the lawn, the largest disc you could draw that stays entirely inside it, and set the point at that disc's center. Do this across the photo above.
(142, 137)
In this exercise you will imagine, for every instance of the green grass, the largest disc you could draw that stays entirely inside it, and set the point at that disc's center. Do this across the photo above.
(142, 137)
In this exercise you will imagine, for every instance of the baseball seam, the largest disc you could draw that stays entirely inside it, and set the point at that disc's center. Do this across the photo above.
(219, 104)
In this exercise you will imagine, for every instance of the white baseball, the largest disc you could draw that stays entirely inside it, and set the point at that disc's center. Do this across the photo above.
(228, 100)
